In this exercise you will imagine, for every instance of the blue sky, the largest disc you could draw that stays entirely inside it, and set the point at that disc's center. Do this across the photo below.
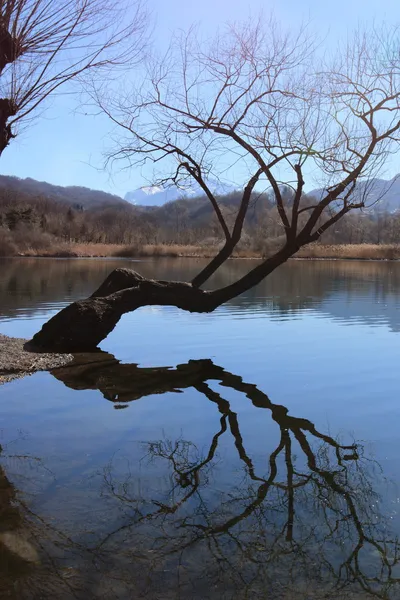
(66, 147)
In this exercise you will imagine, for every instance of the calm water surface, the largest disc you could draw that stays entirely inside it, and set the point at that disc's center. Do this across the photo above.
(250, 453)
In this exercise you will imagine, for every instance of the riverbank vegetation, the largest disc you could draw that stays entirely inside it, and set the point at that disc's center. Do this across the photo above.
(315, 251)
(73, 224)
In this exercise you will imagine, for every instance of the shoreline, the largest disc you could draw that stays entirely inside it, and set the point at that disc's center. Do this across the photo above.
(16, 361)
(364, 252)
(199, 257)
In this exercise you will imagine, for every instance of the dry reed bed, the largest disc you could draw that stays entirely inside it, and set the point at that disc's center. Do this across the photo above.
(352, 251)
(80, 250)
(315, 251)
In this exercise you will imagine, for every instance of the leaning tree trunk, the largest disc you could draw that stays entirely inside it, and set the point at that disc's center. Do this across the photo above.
(81, 326)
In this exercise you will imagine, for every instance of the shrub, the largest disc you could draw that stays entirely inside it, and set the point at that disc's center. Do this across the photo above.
(7, 246)
(27, 239)
(131, 251)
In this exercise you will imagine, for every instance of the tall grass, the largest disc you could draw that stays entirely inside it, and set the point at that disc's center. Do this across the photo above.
(74, 250)
(352, 251)
(173, 250)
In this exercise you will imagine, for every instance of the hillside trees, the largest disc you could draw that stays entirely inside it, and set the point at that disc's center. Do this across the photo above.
(46, 44)
(262, 103)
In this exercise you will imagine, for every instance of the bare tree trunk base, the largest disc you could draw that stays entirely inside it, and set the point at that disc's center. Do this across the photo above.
(81, 326)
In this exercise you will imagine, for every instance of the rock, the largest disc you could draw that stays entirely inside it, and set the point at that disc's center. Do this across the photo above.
(17, 544)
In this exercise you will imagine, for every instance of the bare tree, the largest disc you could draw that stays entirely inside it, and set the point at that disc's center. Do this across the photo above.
(45, 44)
(265, 104)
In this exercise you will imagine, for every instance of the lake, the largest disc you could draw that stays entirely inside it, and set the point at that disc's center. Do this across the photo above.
(252, 453)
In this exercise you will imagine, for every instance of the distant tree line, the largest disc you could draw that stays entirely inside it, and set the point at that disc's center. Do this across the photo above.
(30, 222)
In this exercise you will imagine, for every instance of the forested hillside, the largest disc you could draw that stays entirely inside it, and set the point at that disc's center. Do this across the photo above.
(14, 187)
(37, 216)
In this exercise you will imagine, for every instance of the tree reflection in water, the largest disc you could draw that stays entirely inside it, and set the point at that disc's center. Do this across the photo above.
(303, 522)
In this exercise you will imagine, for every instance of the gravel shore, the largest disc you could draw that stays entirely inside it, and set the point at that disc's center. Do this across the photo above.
(16, 362)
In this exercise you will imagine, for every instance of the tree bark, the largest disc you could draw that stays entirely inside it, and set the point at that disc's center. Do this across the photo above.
(81, 326)
(7, 110)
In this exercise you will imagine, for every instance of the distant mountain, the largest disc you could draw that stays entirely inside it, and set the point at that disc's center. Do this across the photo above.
(158, 196)
(380, 194)
(74, 195)
(153, 196)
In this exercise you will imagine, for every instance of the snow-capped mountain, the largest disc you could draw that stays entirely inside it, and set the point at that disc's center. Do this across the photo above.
(157, 196)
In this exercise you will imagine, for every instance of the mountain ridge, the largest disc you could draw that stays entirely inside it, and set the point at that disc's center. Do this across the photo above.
(380, 195)
(156, 195)
(73, 195)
